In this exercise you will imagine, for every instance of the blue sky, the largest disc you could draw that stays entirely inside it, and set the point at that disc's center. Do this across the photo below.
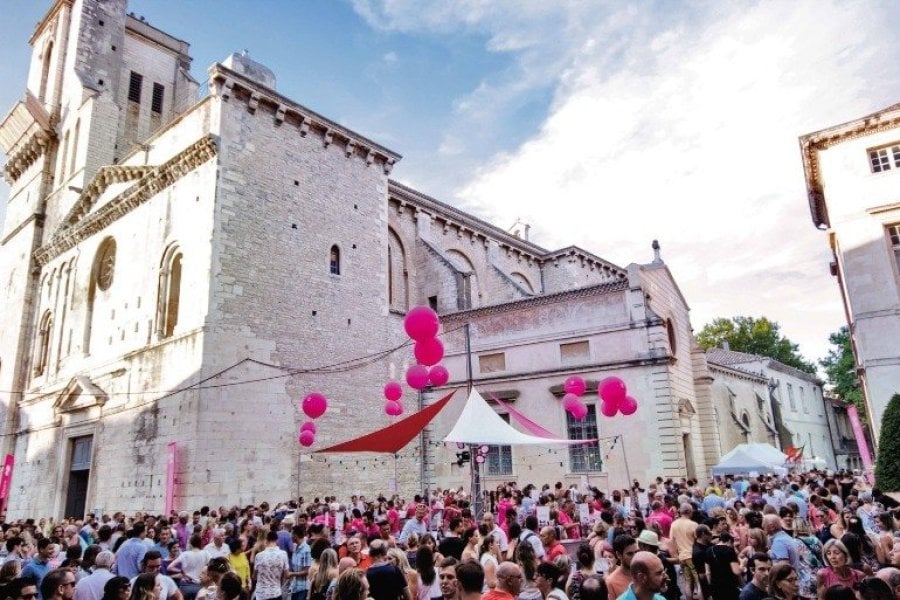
(603, 124)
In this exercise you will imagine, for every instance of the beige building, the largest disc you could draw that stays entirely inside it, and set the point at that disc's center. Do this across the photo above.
(853, 178)
(184, 268)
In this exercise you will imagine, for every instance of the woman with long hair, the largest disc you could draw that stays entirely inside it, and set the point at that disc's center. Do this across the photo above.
(838, 568)
(784, 582)
(117, 588)
(397, 557)
(886, 538)
(231, 587)
(489, 559)
(528, 562)
(470, 539)
(146, 587)
(321, 573)
(428, 540)
(351, 585)
(428, 586)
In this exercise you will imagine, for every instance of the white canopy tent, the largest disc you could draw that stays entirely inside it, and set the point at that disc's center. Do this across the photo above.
(761, 452)
(740, 462)
(479, 424)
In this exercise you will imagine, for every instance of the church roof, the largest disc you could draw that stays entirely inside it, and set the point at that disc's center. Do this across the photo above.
(730, 358)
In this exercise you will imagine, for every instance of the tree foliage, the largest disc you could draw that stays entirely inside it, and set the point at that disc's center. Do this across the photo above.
(840, 367)
(887, 467)
(755, 336)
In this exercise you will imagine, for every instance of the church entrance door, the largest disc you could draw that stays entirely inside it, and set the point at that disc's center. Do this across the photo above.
(79, 476)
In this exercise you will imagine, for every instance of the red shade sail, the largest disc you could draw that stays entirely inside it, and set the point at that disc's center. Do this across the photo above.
(394, 437)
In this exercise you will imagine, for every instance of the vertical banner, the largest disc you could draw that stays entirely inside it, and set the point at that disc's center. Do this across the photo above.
(860, 441)
(170, 478)
(5, 481)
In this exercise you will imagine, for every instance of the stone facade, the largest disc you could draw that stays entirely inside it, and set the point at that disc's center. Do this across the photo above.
(184, 269)
(743, 407)
(853, 175)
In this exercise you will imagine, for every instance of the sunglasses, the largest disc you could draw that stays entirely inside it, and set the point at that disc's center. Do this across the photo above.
(28, 596)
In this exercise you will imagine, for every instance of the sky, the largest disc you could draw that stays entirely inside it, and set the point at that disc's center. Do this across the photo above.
(602, 124)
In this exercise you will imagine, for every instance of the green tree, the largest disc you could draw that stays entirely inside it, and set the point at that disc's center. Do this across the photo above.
(840, 367)
(755, 336)
(887, 467)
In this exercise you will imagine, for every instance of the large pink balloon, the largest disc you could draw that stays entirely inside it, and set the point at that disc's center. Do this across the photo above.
(315, 405)
(307, 438)
(308, 426)
(569, 402)
(579, 410)
(392, 408)
(574, 385)
(417, 377)
(393, 391)
(421, 323)
(612, 389)
(628, 406)
(438, 375)
(479, 458)
(429, 352)
(608, 409)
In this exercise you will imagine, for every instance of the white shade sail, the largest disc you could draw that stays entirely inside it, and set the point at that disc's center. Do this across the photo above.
(479, 424)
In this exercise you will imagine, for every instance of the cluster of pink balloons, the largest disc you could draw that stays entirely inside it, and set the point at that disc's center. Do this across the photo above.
(313, 406)
(481, 455)
(393, 391)
(615, 398)
(574, 387)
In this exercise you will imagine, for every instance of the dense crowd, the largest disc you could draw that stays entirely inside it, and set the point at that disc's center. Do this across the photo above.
(822, 535)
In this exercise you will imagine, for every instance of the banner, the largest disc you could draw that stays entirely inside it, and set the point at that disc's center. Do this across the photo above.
(5, 481)
(860, 441)
(170, 478)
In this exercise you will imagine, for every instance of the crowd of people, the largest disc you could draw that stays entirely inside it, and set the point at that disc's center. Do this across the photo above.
(814, 535)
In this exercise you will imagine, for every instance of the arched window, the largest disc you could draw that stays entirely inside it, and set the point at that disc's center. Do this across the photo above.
(466, 280)
(105, 265)
(522, 281)
(45, 332)
(398, 277)
(45, 72)
(169, 292)
(334, 260)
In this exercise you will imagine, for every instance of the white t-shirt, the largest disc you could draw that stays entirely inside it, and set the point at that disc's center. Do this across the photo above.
(192, 563)
(269, 566)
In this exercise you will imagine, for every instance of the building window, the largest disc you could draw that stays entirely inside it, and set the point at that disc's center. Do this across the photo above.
(499, 458)
(491, 363)
(790, 392)
(134, 87)
(156, 102)
(894, 233)
(883, 159)
(584, 458)
(45, 72)
(169, 292)
(334, 261)
(106, 264)
(574, 353)
(45, 332)
(673, 339)
(803, 400)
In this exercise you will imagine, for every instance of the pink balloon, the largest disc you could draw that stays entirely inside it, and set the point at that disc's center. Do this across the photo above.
(460, 445)
(579, 411)
(612, 389)
(608, 409)
(479, 458)
(484, 448)
(574, 385)
(307, 438)
(393, 391)
(308, 426)
(570, 401)
(438, 375)
(392, 408)
(315, 405)
(429, 352)
(421, 323)
(628, 406)
(417, 377)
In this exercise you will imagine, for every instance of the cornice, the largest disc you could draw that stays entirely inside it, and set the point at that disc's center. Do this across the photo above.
(811, 144)
(154, 181)
(594, 290)
(228, 84)
(104, 177)
(26, 155)
(739, 373)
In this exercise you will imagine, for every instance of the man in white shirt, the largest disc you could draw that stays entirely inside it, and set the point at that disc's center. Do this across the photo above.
(91, 587)
(529, 535)
(488, 520)
(271, 569)
(415, 525)
(217, 547)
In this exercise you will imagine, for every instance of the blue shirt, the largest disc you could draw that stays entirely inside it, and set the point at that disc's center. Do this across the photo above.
(801, 503)
(301, 559)
(712, 501)
(783, 548)
(413, 526)
(630, 595)
(285, 542)
(129, 557)
(38, 569)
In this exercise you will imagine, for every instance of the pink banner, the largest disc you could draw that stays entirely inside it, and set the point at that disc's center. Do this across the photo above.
(5, 482)
(170, 478)
(529, 425)
(861, 441)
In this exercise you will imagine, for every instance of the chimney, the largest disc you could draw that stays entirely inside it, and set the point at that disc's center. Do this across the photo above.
(725, 345)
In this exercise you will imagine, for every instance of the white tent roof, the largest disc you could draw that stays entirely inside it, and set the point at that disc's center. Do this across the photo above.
(740, 461)
(761, 452)
(479, 424)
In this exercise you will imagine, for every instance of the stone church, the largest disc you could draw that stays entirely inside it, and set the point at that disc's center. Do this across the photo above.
(181, 266)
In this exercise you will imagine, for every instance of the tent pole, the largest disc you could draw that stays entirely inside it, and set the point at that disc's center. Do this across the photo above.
(477, 500)
(625, 459)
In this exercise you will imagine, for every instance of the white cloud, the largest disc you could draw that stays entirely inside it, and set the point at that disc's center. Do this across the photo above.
(390, 57)
(681, 127)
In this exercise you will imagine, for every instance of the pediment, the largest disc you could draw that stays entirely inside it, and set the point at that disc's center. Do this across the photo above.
(108, 183)
(685, 407)
(79, 394)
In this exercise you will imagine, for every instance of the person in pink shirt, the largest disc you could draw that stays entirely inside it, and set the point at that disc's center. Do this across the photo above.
(567, 521)
(393, 518)
(660, 516)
